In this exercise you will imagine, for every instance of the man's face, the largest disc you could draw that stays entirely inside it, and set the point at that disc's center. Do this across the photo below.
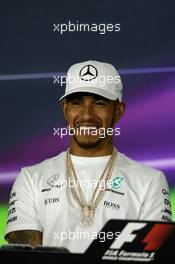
(87, 113)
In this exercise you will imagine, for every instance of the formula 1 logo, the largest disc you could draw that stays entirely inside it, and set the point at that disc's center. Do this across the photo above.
(153, 240)
(143, 247)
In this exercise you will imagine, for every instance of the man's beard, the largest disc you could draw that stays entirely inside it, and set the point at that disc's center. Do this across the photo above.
(88, 143)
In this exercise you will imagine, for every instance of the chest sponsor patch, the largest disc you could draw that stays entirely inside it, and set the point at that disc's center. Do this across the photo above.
(51, 200)
(116, 183)
(108, 204)
(53, 182)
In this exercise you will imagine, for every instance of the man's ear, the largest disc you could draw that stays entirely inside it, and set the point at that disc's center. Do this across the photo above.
(120, 109)
(64, 105)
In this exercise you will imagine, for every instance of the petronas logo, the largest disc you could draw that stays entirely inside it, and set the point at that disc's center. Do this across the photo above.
(116, 183)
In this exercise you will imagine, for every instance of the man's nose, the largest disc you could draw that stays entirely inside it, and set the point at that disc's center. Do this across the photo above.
(87, 111)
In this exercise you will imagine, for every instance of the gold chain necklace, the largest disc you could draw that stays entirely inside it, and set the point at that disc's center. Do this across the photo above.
(88, 208)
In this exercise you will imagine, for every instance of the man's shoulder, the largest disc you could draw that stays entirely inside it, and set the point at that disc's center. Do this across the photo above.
(137, 168)
(50, 164)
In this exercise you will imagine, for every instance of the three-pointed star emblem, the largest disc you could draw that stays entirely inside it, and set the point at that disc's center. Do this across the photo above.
(88, 73)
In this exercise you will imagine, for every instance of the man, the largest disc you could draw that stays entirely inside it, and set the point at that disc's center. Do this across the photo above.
(55, 201)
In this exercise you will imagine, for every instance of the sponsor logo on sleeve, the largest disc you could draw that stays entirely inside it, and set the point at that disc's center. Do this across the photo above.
(167, 202)
(12, 219)
(166, 218)
(12, 211)
(12, 202)
(12, 195)
(167, 211)
(165, 192)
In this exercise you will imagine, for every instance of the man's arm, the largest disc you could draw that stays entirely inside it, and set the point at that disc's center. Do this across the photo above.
(23, 224)
(31, 237)
(157, 206)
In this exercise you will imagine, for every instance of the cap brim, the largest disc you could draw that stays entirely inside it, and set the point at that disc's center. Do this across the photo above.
(94, 90)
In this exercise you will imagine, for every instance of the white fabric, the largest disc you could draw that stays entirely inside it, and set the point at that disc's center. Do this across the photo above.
(94, 77)
(41, 201)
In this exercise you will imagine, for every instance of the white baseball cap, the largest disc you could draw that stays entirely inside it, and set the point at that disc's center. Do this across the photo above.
(94, 77)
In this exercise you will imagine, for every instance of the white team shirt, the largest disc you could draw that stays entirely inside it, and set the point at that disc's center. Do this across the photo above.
(41, 200)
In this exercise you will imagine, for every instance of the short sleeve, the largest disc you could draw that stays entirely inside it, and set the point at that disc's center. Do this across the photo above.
(22, 213)
(156, 205)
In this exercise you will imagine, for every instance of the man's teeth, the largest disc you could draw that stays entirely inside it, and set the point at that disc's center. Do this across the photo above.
(86, 127)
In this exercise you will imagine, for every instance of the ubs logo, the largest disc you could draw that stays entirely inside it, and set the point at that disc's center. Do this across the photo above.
(51, 200)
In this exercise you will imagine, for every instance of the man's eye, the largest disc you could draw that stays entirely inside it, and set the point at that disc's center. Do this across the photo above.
(100, 103)
(75, 102)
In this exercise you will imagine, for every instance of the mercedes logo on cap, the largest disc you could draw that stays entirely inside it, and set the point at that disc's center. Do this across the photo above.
(88, 73)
